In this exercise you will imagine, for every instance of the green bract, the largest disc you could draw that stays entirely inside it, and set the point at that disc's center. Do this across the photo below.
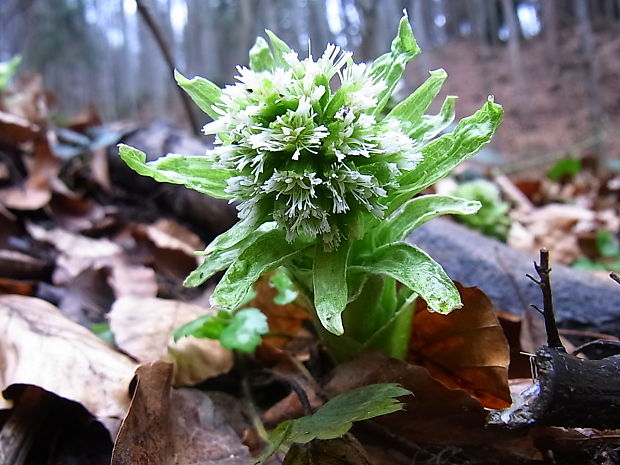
(324, 182)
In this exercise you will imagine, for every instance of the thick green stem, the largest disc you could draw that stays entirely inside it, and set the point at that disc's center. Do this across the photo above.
(371, 322)
(364, 315)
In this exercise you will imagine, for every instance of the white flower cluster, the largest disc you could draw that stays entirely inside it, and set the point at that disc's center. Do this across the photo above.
(314, 157)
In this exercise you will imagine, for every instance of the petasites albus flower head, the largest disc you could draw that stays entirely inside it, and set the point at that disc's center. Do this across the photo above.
(305, 143)
(326, 181)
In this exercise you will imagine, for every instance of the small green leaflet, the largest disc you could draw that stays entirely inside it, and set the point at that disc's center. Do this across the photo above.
(330, 286)
(335, 418)
(389, 67)
(193, 172)
(261, 58)
(267, 253)
(204, 93)
(564, 168)
(103, 331)
(409, 112)
(245, 330)
(432, 125)
(221, 258)
(418, 211)
(416, 270)
(241, 330)
(279, 49)
(285, 288)
(442, 155)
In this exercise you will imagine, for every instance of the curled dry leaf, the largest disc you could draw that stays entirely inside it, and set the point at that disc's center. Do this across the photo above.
(44, 428)
(167, 426)
(434, 414)
(36, 191)
(14, 129)
(40, 347)
(171, 246)
(87, 297)
(79, 254)
(76, 252)
(465, 349)
(168, 234)
(143, 328)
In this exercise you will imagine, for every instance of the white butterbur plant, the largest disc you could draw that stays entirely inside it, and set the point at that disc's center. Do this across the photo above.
(326, 183)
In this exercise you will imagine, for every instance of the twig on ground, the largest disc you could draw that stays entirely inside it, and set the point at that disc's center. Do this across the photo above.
(551, 327)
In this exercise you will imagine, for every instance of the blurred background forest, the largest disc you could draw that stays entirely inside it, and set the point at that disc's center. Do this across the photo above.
(553, 64)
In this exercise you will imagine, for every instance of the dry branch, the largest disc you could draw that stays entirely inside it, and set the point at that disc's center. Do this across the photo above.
(568, 391)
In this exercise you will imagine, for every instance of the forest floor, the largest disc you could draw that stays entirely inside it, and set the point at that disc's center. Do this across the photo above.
(92, 257)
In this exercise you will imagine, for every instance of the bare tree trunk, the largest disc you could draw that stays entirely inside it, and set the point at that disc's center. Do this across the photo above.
(584, 28)
(514, 54)
(550, 28)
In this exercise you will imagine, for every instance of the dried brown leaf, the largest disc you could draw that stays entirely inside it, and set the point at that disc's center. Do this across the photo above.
(143, 328)
(76, 252)
(466, 349)
(434, 414)
(40, 347)
(285, 320)
(87, 297)
(18, 265)
(167, 427)
(15, 286)
(36, 191)
(14, 130)
(520, 366)
(171, 247)
(133, 280)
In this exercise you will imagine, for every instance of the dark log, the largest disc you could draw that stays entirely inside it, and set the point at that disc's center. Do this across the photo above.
(206, 215)
(581, 300)
(569, 392)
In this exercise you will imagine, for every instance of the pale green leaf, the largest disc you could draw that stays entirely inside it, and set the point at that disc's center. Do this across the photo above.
(336, 417)
(241, 330)
(389, 67)
(265, 254)
(237, 233)
(261, 58)
(416, 270)
(418, 211)
(443, 154)
(244, 331)
(330, 286)
(279, 49)
(220, 258)
(284, 286)
(410, 111)
(193, 172)
(432, 125)
(208, 326)
(204, 93)
(103, 331)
